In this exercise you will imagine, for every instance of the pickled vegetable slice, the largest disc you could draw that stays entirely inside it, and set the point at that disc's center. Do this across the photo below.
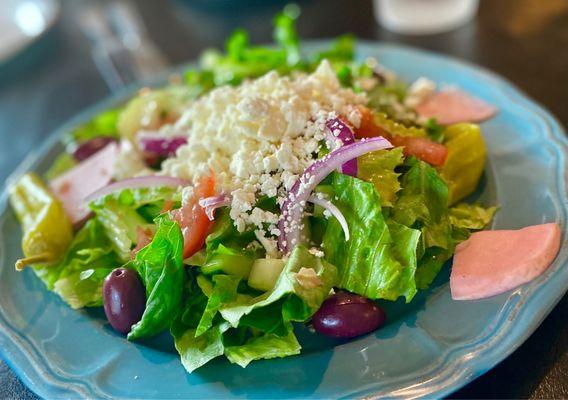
(465, 162)
(47, 229)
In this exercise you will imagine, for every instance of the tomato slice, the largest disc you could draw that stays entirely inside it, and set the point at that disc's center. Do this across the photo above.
(424, 149)
(192, 219)
(367, 127)
(143, 238)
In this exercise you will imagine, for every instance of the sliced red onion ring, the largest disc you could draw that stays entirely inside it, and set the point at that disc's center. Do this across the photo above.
(339, 130)
(210, 204)
(158, 145)
(293, 207)
(137, 183)
(333, 210)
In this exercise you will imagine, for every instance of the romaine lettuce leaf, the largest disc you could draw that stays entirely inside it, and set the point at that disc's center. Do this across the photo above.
(104, 124)
(430, 265)
(379, 168)
(197, 351)
(371, 263)
(263, 347)
(471, 216)
(62, 163)
(123, 212)
(423, 204)
(224, 291)
(285, 33)
(120, 224)
(301, 301)
(160, 265)
(224, 232)
(232, 261)
(78, 278)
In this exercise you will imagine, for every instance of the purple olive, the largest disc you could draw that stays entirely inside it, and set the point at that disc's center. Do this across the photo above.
(124, 299)
(347, 315)
(90, 147)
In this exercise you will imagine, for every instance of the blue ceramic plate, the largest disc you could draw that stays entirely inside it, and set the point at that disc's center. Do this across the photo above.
(429, 348)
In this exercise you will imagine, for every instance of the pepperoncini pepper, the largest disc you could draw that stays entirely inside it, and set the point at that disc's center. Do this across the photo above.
(466, 160)
(47, 231)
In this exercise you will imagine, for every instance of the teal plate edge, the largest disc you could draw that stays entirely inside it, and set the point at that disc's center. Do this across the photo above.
(522, 311)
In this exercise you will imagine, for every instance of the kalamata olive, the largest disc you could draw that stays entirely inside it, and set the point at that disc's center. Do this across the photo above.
(346, 315)
(124, 299)
(90, 147)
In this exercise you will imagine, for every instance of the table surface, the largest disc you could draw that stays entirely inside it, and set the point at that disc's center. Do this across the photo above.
(524, 40)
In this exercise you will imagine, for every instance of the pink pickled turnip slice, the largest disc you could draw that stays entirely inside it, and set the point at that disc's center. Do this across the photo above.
(73, 186)
(492, 262)
(451, 106)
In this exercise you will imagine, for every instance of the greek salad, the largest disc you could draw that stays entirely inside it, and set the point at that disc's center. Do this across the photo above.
(268, 189)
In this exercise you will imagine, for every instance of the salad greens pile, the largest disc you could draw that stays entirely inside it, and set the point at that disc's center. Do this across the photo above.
(402, 224)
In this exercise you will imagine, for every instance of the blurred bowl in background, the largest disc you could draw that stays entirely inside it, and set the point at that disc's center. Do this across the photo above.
(22, 22)
(423, 17)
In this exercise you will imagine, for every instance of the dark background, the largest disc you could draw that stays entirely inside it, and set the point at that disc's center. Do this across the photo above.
(524, 40)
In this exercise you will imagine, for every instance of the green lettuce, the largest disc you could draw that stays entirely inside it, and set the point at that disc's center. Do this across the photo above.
(233, 261)
(285, 33)
(430, 265)
(423, 204)
(300, 302)
(79, 277)
(471, 216)
(104, 124)
(160, 265)
(379, 168)
(62, 163)
(198, 351)
(123, 212)
(263, 347)
(224, 291)
(121, 223)
(224, 232)
(371, 263)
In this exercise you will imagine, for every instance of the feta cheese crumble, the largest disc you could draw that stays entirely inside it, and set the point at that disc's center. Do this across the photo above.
(259, 137)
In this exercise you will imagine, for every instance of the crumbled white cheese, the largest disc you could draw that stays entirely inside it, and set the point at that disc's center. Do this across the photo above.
(129, 162)
(260, 136)
(270, 245)
(316, 252)
(308, 278)
(418, 91)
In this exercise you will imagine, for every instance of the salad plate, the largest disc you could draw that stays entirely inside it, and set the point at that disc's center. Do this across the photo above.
(430, 347)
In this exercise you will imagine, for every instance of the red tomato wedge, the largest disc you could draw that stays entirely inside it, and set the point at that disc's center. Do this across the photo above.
(423, 148)
(426, 150)
(192, 219)
(143, 238)
(367, 127)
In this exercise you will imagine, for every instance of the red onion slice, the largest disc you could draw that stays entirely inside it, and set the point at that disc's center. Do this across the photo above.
(139, 182)
(161, 146)
(210, 204)
(293, 206)
(333, 210)
(339, 130)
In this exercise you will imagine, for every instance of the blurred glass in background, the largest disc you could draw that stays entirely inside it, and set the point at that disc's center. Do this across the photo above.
(421, 17)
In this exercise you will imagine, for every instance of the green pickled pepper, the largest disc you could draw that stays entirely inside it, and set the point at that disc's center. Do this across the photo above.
(466, 160)
(47, 231)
